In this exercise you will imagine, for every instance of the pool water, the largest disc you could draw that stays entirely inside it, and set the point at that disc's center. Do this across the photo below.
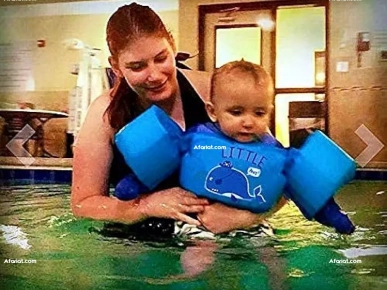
(36, 224)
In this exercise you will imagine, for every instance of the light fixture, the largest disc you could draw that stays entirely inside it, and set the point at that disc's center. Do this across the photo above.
(265, 22)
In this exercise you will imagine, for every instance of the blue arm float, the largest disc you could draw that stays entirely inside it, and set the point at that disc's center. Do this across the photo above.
(129, 188)
(316, 171)
(242, 175)
(150, 145)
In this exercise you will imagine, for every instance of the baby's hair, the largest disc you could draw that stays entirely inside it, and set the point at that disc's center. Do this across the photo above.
(259, 74)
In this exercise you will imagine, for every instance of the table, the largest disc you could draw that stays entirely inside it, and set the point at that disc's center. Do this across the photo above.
(17, 119)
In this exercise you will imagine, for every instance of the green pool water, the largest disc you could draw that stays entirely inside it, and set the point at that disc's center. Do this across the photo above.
(37, 225)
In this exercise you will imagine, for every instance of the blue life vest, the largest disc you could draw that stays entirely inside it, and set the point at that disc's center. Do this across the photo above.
(242, 175)
(250, 176)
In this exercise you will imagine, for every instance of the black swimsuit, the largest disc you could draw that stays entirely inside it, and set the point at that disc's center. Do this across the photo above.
(194, 113)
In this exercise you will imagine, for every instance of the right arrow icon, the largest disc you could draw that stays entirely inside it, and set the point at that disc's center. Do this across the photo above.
(374, 145)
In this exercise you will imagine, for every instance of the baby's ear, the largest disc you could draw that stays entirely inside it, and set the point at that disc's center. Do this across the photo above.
(271, 108)
(211, 111)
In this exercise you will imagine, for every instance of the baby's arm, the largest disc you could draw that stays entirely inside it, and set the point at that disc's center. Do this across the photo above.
(330, 214)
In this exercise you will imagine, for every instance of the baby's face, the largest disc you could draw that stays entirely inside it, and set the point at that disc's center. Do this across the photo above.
(241, 107)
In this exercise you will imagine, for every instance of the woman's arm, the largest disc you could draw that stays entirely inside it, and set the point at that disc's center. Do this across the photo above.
(91, 166)
(90, 189)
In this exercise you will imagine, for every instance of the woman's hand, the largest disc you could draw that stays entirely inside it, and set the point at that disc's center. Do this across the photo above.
(219, 218)
(173, 203)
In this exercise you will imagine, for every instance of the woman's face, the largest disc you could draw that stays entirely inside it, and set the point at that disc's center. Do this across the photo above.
(148, 65)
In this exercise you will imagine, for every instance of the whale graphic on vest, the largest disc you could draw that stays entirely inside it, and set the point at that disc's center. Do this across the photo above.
(230, 182)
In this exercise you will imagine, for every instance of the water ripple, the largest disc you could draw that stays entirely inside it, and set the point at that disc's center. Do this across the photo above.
(366, 251)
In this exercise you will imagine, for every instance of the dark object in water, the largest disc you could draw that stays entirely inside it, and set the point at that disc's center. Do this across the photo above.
(153, 229)
(332, 216)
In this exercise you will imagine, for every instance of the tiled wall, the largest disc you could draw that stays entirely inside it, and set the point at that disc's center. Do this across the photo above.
(352, 108)
(34, 176)
(51, 176)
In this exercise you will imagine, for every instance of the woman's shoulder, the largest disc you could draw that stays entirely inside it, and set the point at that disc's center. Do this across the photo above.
(97, 109)
(101, 103)
(96, 118)
(200, 80)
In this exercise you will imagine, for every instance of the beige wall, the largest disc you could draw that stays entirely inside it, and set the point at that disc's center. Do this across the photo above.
(358, 96)
(51, 64)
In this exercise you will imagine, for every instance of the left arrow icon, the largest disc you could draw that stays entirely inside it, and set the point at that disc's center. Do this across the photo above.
(17, 142)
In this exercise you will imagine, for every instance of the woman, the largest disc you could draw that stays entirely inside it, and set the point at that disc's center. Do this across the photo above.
(143, 59)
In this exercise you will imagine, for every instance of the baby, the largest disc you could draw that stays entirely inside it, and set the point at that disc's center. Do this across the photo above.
(240, 107)
(241, 101)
